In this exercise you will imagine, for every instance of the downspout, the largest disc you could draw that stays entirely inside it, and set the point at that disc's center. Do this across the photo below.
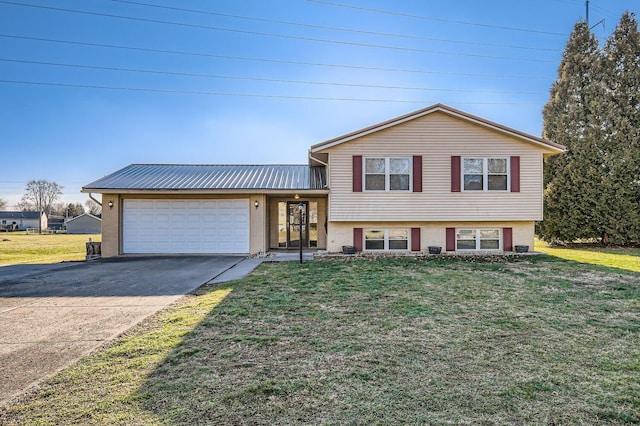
(99, 203)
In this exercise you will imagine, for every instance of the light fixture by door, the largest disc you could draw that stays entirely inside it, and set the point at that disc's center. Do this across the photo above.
(256, 203)
(297, 196)
(110, 204)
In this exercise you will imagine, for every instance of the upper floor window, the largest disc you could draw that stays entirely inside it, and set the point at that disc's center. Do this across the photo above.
(387, 174)
(485, 174)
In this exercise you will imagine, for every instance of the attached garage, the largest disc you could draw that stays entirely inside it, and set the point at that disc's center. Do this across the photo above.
(202, 208)
(185, 226)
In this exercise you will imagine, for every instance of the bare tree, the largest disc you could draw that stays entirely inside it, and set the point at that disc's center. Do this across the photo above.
(74, 209)
(3, 203)
(93, 207)
(42, 194)
(67, 210)
(25, 206)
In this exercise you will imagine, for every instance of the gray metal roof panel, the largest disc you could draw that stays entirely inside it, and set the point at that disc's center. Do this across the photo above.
(19, 215)
(208, 177)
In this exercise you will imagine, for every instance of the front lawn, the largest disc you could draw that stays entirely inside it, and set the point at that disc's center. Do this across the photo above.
(535, 340)
(20, 247)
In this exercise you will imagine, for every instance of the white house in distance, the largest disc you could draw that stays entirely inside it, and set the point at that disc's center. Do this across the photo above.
(84, 224)
(21, 221)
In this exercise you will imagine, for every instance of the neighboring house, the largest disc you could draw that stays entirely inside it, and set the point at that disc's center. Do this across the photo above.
(84, 224)
(20, 221)
(56, 223)
(434, 177)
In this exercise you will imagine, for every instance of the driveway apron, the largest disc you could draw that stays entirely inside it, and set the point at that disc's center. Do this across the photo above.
(51, 318)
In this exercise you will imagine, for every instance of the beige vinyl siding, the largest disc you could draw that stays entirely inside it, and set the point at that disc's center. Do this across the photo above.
(436, 137)
(431, 233)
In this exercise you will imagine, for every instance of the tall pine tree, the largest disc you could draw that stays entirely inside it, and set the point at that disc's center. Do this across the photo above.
(593, 190)
(620, 149)
(571, 119)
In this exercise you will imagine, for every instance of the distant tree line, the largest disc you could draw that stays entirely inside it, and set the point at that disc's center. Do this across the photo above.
(592, 192)
(43, 196)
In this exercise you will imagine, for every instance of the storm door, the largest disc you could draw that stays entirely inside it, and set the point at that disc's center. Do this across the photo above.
(297, 231)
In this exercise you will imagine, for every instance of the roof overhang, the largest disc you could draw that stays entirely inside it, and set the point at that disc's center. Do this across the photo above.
(553, 147)
(243, 192)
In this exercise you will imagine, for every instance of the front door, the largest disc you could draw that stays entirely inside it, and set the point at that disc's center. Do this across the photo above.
(297, 230)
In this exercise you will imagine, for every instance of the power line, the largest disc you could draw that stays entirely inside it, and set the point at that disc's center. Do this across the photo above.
(279, 61)
(285, 36)
(323, 27)
(249, 95)
(430, 18)
(271, 80)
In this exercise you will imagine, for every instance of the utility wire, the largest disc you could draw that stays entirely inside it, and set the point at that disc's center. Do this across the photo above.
(271, 80)
(249, 95)
(323, 27)
(430, 18)
(279, 61)
(290, 37)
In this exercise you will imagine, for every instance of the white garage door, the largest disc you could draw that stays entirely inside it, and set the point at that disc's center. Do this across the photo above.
(185, 226)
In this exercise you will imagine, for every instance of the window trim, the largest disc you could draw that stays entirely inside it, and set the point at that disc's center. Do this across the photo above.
(478, 239)
(386, 239)
(387, 173)
(485, 173)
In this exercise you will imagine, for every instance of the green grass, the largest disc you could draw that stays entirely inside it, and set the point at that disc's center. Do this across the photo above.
(536, 340)
(621, 258)
(20, 247)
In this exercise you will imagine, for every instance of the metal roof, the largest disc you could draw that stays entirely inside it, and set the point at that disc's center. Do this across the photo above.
(208, 177)
(19, 215)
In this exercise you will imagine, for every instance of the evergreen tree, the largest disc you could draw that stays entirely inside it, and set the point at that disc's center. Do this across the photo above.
(620, 149)
(571, 118)
(593, 190)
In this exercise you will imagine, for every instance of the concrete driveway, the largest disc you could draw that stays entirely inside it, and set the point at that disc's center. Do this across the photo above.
(52, 315)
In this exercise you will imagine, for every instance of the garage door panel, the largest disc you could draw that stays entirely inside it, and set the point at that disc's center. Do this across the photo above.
(179, 226)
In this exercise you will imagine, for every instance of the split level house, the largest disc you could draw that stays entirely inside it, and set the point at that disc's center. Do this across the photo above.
(435, 177)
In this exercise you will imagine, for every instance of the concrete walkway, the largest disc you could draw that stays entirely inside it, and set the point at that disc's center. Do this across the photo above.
(246, 266)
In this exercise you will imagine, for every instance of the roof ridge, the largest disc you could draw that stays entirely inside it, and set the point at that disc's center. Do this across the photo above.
(439, 107)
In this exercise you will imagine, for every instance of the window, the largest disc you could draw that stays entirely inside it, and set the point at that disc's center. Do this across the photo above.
(478, 239)
(485, 174)
(387, 174)
(374, 240)
(386, 239)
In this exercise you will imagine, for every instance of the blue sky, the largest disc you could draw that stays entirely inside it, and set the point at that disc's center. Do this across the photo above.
(89, 86)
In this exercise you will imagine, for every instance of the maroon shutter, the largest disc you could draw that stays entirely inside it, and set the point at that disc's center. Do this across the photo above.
(451, 238)
(515, 174)
(507, 239)
(417, 173)
(415, 239)
(357, 173)
(357, 238)
(455, 173)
